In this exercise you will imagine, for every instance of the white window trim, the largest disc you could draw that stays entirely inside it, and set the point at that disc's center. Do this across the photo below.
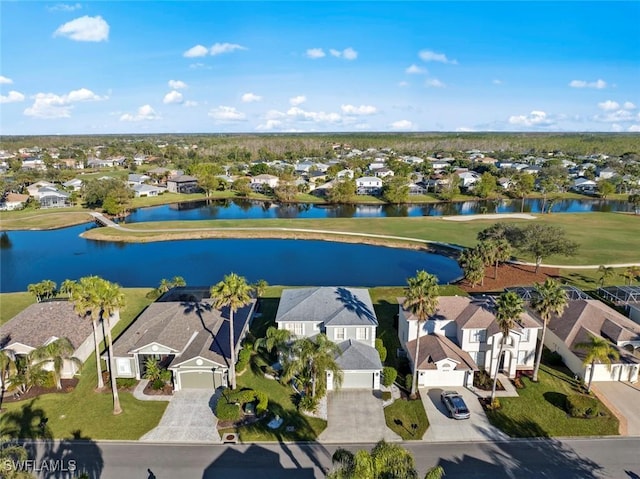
(340, 332)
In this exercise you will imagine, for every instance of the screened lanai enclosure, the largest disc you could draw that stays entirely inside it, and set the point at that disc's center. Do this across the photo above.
(620, 295)
(527, 293)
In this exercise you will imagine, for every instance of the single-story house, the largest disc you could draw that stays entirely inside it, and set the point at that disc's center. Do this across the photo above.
(186, 334)
(347, 317)
(13, 201)
(182, 184)
(73, 185)
(586, 317)
(44, 322)
(51, 197)
(147, 190)
(462, 337)
(34, 188)
(136, 179)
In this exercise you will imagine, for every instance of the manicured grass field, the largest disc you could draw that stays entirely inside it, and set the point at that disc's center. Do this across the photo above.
(43, 219)
(402, 414)
(12, 303)
(85, 413)
(539, 411)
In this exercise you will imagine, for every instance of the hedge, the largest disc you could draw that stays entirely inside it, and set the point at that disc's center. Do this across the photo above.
(389, 376)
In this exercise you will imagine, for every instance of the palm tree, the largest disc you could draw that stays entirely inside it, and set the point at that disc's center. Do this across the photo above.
(605, 273)
(233, 292)
(502, 250)
(55, 352)
(311, 358)
(473, 267)
(550, 299)
(487, 252)
(178, 281)
(509, 307)
(67, 287)
(274, 339)
(598, 350)
(7, 368)
(43, 290)
(260, 287)
(111, 300)
(422, 301)
(630, 273)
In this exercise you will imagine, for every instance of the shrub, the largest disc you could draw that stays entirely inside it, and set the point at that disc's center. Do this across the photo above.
(126, 383)
(495, 405)
(483, 380)
(408, 382)
(152, 369)
(47, 380)
(386, 395)
(578, 405)
(307, 403)
(227, 411)
(243, 359)
(263, 402)
(382, 351)
(518, 383)
(389, 376)
(166, 375)
(157, 384)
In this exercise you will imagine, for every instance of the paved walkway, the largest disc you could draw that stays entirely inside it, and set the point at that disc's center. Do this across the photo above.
(356, 416)
(188, 418)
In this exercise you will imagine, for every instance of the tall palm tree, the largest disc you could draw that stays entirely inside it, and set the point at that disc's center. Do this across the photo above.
(509, 307)
(67, 287)
(598, 350)
(422, 301)
(311, 358)
(630, 274)
(235, 293)
(274, 339)
(260, 287)
(111, 300)
(606, 272)
(550, 299)
(502, 251)
(55, 352)
(473, 266)
(7, 368)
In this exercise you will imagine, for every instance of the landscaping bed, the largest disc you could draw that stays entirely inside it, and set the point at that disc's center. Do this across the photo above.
(68, 385)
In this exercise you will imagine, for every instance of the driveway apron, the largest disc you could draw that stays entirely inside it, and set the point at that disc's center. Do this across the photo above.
(355, 416)
(188, 418)
(624, 398)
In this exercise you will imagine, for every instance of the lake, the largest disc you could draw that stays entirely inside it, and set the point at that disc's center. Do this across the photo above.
(31, 256)
(247, 209)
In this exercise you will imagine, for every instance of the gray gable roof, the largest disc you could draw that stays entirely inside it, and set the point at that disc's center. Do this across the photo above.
(358, 356)
(333, 306)
(434, 348)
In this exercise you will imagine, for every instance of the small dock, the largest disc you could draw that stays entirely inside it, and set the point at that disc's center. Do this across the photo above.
(102, 220)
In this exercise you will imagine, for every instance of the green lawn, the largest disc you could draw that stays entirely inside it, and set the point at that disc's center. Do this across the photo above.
(12, 303)
(539, 412)
(84, 412)
(403, 414)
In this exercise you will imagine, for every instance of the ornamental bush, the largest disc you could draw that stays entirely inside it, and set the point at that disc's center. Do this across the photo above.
(389, 376)
(243, 359)
(382, 351)
(226, 411)
(578, 405)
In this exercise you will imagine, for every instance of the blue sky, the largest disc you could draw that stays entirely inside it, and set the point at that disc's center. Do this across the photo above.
(208, 67)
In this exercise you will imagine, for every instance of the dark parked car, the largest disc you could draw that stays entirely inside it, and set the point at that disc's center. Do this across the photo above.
(455, 405)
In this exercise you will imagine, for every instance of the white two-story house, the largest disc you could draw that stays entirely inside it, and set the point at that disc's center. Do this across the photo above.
(261, 182)
(368, 185)
(463, 337)
(347, 317)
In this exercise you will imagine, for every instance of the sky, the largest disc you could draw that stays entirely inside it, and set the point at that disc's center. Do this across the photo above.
(109, 67)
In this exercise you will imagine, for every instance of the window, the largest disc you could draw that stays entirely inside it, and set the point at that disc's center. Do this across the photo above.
(339, 334)
(522, 357)
(296, 328)
(478, 357)
(361, 334)
(526, 333)
(478, 335)
(124, 366)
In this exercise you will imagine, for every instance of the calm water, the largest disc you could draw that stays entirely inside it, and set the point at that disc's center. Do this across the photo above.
(246, 209)
(31, 256)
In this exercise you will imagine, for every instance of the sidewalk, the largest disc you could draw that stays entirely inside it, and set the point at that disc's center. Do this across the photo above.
(509, 390)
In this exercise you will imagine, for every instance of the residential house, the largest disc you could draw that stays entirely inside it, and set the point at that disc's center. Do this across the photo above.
(260, 183)
(368, 185)
(468, 179)
(73, 185)
(13, 201)
(141, 190)
(135, 179)
(584, 185)
(346, 173)
(462, 337)
(417, 189)
(347, 317)
(585, 317)
(41, 323)
(377, 164)
(51, 197)
(606, 174)
(187, 334)
(34, 187)
(383, 172)
(70, 163)
(182, 184)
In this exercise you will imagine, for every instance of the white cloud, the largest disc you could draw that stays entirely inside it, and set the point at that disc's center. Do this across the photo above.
(335, 53)
(85, 29)
(269, 125)
(173, 96)
(225, 114)
(434, 83)
(634, 128)
(415, 70)
(616, 116)
(5, 81)
(190, 103)
(401, 125)
(609, 105)
(535, 118)
(50, 105)
(64, 7)
(497, 82)
(314, 53)
(250, 97)
(315, 116)
(348, 53)
(429, 56)
(219, 48)
(196, 51)
(403, 84)
(628, 106)
(177, 84)
(358, 110)
(598, 84)
(198, 66)
(274, 115)
(297, 100)
(145, 112)
(12, 97)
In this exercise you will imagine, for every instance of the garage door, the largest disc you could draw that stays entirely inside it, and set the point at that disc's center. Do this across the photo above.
(357, 380)
(200, 380)
(442, 378)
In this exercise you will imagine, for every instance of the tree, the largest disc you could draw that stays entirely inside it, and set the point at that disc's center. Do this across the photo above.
(260, 287)
(549, 299)
(309, 359)
(67, 287)
(634, 200)
(486, 185)
(543, 240)
(509, 307)
(7, 368)
(56, 352)
(473, 266)
(287, 190)
(207, 175)
(343, 191)
(522, 186)
(45, 289)
(598, 350)
(241, 186)
(501, 249)
(630, 274)
(422, 301)
(233, 292)
(449, 189)
(605, 188)
(274, 339)
(396, 190)
(606, 272)
(12, 457)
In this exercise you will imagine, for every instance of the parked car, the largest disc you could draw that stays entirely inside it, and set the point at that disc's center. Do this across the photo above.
(455, 405)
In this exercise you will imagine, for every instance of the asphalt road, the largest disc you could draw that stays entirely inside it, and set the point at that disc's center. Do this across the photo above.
(568, 459)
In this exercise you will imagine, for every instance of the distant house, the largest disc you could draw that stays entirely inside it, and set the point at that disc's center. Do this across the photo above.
(186, 334)
(51, 197)
(142, 190)
(13, 201)
(135, 179)
(261, 182)
(468, 178)
(347, 317)
(73, 185)
(584, 185)
(70, 163)
(42, 323)
(347, 173)
(384, 172)
(182, 184)
(606, 174)
(368, 185)
(35, 187)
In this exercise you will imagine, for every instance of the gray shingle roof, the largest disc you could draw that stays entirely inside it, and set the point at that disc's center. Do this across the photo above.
(434, 348)
(358, 356)
(333, 306)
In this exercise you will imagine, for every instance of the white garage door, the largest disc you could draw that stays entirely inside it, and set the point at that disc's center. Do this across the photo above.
(357, 380)
(442, 378)
(200, 380)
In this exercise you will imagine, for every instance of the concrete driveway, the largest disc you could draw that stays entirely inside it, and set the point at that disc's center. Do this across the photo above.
(188, 418)
(355, 416)
(624, 399)
(442, 428)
